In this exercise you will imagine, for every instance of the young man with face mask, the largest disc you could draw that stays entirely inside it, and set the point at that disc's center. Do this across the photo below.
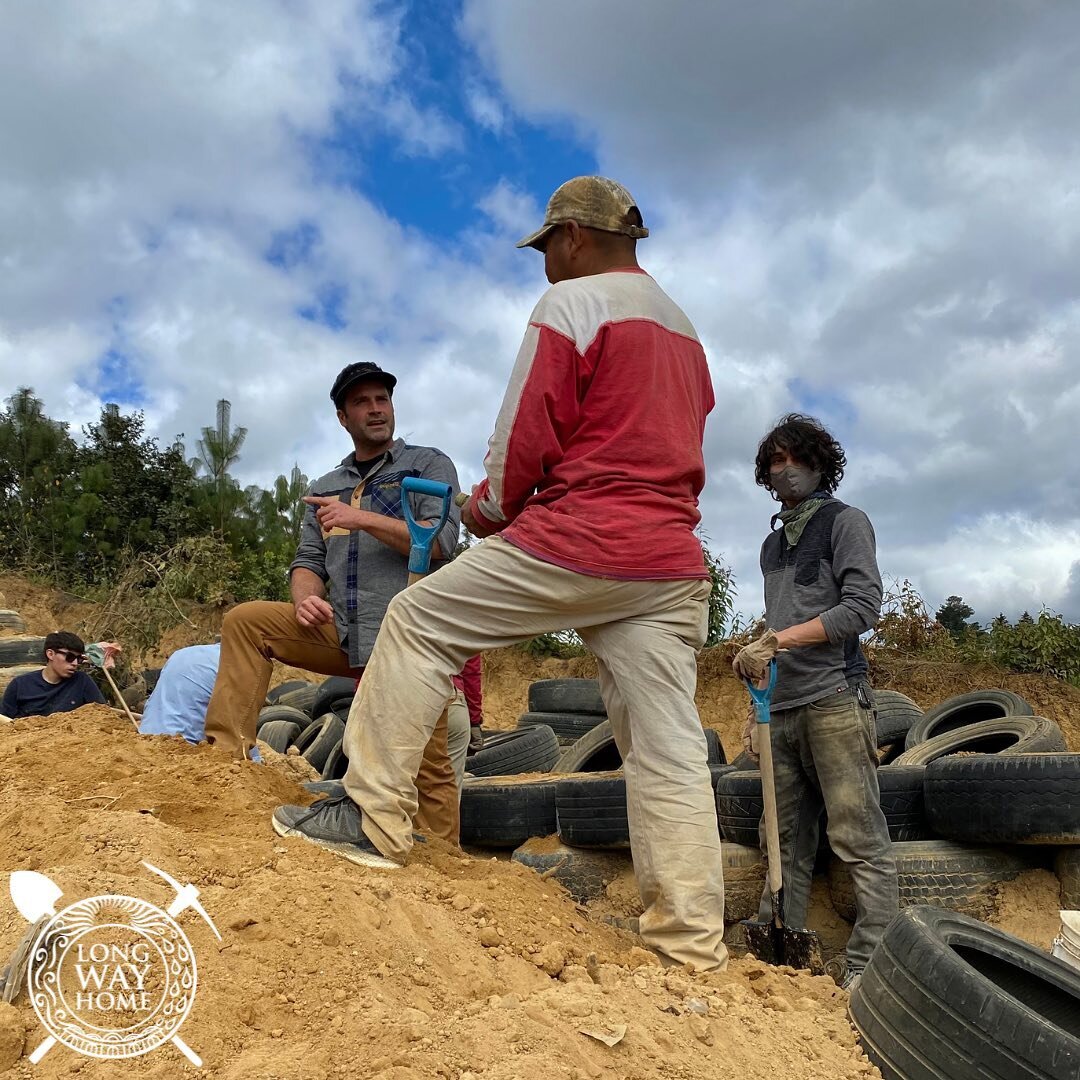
(822, 590)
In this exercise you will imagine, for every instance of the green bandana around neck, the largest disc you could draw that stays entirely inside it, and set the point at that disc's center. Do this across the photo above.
(798, 517)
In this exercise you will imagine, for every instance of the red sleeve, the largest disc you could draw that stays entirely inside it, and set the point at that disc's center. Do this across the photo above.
(539, 412)
(472, 685)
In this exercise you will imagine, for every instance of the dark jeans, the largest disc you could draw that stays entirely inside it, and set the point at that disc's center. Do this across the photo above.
(825, 755)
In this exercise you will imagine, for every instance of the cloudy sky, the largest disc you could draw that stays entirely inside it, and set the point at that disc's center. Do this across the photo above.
(870, 210)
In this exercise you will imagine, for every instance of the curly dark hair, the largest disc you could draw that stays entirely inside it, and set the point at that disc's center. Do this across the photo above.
(807, 441)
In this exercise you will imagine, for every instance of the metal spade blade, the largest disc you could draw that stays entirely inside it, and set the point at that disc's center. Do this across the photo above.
(34, 894)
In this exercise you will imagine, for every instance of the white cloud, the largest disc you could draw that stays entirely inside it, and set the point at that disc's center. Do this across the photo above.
(485, 108)
(868, 211)
(870, 214)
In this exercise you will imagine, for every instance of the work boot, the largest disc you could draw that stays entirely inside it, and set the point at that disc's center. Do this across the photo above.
(333, 824)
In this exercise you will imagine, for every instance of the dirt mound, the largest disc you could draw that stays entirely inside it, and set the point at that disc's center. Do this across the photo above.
(44, 609)
(453, 967)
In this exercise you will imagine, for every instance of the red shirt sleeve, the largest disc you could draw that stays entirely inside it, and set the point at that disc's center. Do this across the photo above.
(472, 686)
(539, 413)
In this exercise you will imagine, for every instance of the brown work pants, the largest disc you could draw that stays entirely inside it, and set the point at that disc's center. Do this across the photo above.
(256, 633)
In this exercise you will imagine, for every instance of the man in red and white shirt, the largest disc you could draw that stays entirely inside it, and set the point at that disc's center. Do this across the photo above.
(589, 508)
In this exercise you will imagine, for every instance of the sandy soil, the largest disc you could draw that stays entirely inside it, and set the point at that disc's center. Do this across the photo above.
(468, 968)
(454, 967)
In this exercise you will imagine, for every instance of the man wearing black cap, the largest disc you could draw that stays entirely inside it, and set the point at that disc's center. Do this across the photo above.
(352, 560)
(589, 506)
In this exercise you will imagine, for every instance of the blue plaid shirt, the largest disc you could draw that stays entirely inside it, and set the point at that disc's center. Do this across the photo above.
(363, 574)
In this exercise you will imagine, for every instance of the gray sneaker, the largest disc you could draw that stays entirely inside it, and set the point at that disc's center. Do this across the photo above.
(332, 788)
(333, 824)
(852, 980)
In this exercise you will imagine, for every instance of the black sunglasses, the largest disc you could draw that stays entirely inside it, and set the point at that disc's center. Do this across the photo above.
(71, 657)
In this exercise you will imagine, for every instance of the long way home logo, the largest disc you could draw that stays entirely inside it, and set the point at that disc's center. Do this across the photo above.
(111, 976)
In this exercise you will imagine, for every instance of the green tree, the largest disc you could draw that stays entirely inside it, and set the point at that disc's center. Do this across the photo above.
(723, 620)
(36, 456)
(953, 615)
(131, 494)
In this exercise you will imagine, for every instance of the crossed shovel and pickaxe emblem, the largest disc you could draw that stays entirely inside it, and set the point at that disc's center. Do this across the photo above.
(35, 896)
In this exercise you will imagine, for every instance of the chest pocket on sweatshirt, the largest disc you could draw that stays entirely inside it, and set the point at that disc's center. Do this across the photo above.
(385, 493)
(813, 549)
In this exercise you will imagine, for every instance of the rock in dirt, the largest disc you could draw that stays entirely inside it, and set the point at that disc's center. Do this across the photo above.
(12, 1036)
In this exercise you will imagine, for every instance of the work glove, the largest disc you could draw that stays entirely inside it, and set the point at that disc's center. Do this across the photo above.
(750, 735)
(752, 661)
(476, 740)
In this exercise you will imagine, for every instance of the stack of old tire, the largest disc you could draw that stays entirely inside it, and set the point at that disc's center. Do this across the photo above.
(309, 719)
(571, 824)
(570, 707)
(944, 994)
(20, 652)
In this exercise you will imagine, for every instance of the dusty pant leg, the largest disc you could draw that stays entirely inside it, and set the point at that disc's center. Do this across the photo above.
(490, 596)
(798, 814)
(252, 635)
(458, 733)
(437, 811)
(842, 739)
(648, 675)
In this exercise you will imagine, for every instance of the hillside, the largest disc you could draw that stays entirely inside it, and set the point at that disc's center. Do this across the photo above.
(462, 967)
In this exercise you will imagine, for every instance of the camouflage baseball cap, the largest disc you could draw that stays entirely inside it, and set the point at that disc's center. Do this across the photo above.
(594, 201)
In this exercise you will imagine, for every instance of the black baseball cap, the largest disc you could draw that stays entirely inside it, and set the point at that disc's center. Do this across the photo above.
(354, 373)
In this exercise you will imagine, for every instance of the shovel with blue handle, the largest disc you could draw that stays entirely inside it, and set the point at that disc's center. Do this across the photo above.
(772, 941)
(422, 537)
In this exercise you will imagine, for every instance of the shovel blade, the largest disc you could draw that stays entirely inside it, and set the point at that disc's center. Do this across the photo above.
(782, 946)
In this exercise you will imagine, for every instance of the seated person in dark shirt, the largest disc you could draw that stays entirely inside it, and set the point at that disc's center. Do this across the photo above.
(58, 687)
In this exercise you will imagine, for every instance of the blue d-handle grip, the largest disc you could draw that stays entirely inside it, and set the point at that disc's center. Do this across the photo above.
(763, 697)
(423, 536)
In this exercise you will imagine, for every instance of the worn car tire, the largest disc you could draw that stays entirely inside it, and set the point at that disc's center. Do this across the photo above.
(945, 997)
(279, 735)
(317, 740)
(23, 649)
(894, 714)
(506, 753)
(503, 811)
(584, 874)
(150, 677)
(302, 698)
(939, 873)
(593, 752)
(566, 696)
(590, 811)
(269, 713)
(273, 695)
(1007, 735)
(568, 727)
(739, 804)
(1067, 867)
(591, 808)
(1005, 799)
(336, 765)
(13, 621)
(902, 802)
(596, 751)
(330, 692)
(964, 709)
(715, 747)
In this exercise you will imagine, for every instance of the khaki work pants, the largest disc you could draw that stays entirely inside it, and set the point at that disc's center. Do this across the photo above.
(258, 632)
(645, 635)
